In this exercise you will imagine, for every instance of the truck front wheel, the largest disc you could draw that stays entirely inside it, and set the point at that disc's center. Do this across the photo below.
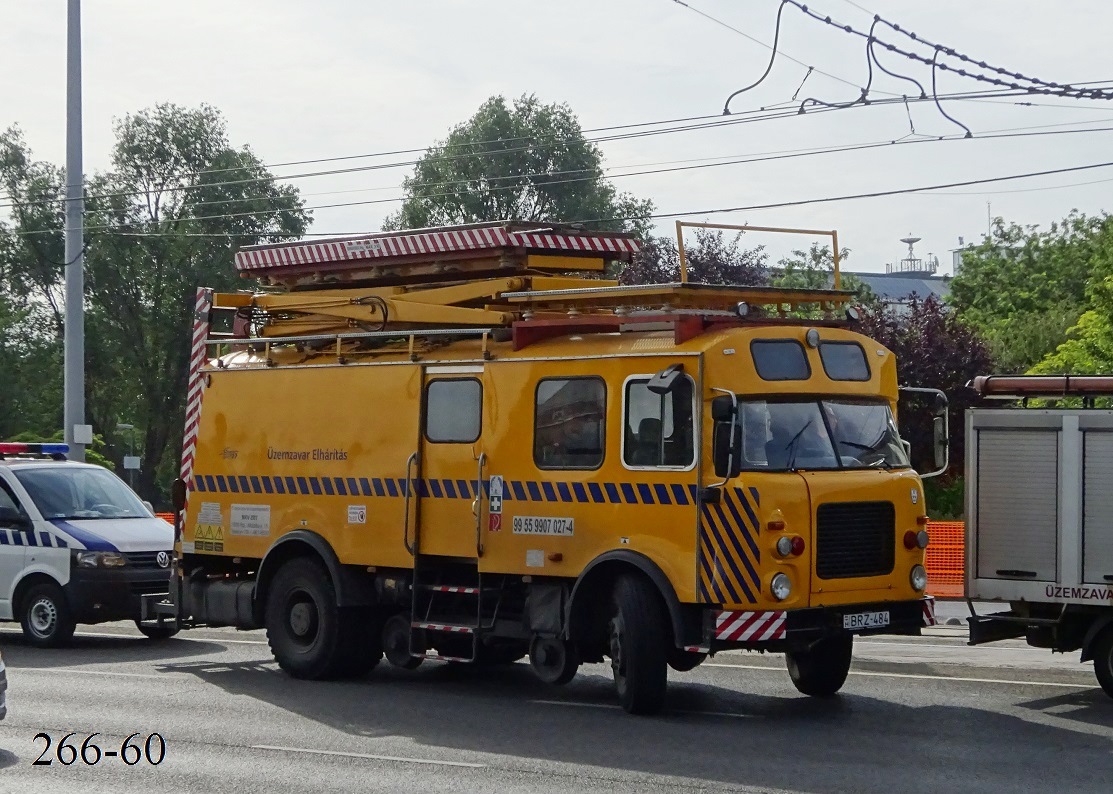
(639, 645)
(821, 670)
(309, 635)
(1103, 659)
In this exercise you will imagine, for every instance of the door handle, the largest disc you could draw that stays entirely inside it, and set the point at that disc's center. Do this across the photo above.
(479, 493)
(411, 548)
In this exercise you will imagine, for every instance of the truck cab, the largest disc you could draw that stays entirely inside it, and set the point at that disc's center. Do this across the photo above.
(76, 546)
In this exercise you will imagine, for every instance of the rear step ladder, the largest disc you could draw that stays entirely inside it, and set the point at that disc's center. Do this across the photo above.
(426, 597)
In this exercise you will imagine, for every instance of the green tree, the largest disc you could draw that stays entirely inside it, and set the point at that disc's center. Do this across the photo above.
(815, 269)
(1023, 287)
(1088, 349)
(711, 259)
(526, 161)
(165, 219)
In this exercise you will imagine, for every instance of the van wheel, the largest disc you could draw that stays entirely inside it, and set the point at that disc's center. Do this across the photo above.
(307, 632)
(821, 670)
(158, 631)
(45, 616)
(1103, 659)
(639, 645)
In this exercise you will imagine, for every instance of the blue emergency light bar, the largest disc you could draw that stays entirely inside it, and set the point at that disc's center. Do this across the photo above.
(14, 448)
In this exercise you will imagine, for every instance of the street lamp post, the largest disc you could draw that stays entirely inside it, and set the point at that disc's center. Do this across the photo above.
(131, 462)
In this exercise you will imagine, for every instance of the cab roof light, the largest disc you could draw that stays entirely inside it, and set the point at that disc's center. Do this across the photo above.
(21, 448)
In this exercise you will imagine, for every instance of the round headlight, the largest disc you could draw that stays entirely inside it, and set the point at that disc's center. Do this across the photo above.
(784, 545)
(918, 577)
(780, 586)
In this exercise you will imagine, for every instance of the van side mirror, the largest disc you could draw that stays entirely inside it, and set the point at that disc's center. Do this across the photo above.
(178, 495)
(10, 517)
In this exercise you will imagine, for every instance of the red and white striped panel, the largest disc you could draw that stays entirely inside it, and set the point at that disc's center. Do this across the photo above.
(195, 388)
(451, 628)
(750, 626)
(409, 244)
(929, 611)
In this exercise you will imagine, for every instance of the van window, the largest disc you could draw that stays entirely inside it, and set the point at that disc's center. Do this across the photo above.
(780, 359)
(570, 423)
(844, 361)
(453, 410)
(7, 499)
(659, 427)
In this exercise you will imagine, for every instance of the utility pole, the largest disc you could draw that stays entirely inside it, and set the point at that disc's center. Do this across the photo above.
(77, 433)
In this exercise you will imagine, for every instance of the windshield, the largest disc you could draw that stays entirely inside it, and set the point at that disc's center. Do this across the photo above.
(71, 492)
(819, 434)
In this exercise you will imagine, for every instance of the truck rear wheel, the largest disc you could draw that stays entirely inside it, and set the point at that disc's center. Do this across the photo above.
(396, 642)
(1103, 659)
(309, 635)
(821, 670)
(639, 644)
(45, 616)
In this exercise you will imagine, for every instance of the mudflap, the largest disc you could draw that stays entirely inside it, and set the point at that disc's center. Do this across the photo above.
(996, 627)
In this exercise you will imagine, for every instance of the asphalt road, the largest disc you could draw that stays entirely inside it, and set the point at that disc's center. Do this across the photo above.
(917, 715)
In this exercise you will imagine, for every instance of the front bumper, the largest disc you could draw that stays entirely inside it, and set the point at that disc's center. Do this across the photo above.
(96, 595)
(787, 629)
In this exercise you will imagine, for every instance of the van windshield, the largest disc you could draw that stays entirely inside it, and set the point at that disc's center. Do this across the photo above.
(64, 492)
(819, 434)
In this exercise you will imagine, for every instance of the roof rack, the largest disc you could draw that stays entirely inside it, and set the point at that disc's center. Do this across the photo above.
(362, 290)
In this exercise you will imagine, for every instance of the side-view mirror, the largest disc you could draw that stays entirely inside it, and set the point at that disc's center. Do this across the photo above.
(665, 380)
(150, 507)
(722, 408)
(178, 495)
(728, 462)
(941, 442)
(14, 519)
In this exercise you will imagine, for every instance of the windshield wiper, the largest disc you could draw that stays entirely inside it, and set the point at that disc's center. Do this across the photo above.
(791, 445)
(875, 447)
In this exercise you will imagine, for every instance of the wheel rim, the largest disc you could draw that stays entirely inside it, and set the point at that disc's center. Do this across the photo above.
(302, 619)
(43, 617)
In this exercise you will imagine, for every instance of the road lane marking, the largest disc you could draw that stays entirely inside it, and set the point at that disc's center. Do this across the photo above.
(665, 713)
(368, 756)
(914, 675)
(55, 670)
(953, 645)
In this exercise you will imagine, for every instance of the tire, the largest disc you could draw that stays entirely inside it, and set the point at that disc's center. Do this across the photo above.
(396, 642)
(554, 661)
(821, 670)
(1103, 659)
(683, 661)
(309, 635)
(639, 644)
(158, 631)
(45, 616)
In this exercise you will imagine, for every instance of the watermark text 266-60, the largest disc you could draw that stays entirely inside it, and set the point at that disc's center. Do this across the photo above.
(133, 750)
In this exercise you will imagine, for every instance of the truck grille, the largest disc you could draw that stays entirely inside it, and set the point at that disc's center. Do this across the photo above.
(854, 539)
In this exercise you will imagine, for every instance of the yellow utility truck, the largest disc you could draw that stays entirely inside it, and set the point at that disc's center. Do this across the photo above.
(465, 444)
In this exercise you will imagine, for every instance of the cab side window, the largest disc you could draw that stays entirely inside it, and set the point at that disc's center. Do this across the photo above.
(569, 428)
(8, 504)
(659, 429)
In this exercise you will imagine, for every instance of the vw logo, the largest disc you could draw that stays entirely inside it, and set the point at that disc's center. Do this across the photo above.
(163, 559)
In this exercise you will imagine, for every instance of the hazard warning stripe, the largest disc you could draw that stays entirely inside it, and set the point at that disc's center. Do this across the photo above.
(194, 388)
(929, 611)
(415, 243)
(733, 626)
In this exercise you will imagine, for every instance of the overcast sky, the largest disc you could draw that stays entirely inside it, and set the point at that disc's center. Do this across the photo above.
(300, 81)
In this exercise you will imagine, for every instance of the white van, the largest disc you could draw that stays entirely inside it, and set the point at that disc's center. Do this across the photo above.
(76, 546)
